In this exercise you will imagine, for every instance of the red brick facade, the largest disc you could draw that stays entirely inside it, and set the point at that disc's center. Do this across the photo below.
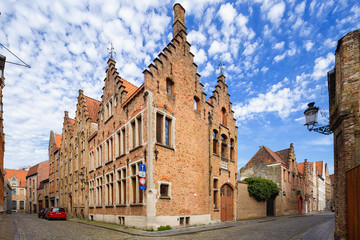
(187, 142)
(344, 84)
(2, 137)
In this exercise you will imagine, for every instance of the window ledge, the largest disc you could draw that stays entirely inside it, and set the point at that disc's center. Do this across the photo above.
(224, 159)
(91, 206)
(132, 150)
(224, 169)
(120, 205)
(98, 167)
(165, 197)
(224, 126)
(120, 156)
(214, 154)
(98, 206)
(137, 204)
(109, 206)
(108, 119)
(165, 146)
(216, 210)
(91, 170)
(232, 161)
(109, 162)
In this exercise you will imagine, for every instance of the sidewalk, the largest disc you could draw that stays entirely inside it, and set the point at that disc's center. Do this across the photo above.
(6, 227)
(322, 231)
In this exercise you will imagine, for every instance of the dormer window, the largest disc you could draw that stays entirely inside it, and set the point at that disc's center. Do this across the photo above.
(13, 181)
(169, 86)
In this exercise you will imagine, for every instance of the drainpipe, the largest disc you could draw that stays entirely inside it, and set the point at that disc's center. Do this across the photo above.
(210, 171)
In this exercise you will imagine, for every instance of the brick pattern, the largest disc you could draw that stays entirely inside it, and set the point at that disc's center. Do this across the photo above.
(344, 120)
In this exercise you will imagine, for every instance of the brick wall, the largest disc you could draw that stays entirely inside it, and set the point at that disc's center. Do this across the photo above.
(248, 207)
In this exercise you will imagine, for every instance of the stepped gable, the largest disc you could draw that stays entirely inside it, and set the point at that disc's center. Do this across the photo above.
(93, 108)
(20, 174)
(264, 156)
(72, 123)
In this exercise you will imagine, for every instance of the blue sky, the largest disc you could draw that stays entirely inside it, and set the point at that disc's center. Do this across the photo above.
(276, 55)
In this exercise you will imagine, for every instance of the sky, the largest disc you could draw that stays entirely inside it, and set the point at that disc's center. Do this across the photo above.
(276, 54)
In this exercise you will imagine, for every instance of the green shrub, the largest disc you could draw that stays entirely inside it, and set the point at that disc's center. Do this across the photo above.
(163, 228)
(261, 189)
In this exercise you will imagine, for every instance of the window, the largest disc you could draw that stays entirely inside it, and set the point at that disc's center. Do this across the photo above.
(159, 129)
(22, 205)
(13, 182)
(196, 103)
(215, 141)
(164, 128)
(99, 191)
(133, 134)
(223, 146)
(123, 133)
(109, 149)
(136, 193)
(14, 191)
(91, 193)
(121, 186)
(108, 109)
(82, 153)
(169, 86)
(14, 205)
(223, 119)
(109, 191)
(165, 190)
(139, 130)
(91, 160)
(216, 193)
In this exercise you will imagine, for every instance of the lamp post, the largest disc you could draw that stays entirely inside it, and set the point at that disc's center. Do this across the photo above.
(311, 114)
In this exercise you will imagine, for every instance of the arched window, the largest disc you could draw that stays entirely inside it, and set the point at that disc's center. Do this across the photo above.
(224, 146)
(215, 141)
(196, 103)
(13, 181)
(223, 117)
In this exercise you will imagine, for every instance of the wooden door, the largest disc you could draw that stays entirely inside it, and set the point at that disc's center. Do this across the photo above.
(226, 195)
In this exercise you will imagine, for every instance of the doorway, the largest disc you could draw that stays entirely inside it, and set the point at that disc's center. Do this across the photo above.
(226, 198)
(270, 207)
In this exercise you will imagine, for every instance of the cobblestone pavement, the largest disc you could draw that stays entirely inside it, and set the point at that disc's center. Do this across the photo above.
(28, 226)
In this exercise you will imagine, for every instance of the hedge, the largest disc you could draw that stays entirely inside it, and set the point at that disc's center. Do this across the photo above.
(261, 189)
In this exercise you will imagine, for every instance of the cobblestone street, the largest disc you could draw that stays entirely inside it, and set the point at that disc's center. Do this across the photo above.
(29, 226)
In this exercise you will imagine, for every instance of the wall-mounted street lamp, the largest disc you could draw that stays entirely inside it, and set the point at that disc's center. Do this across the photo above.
(311, 114)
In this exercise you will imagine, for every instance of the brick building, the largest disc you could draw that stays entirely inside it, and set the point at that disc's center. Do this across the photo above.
(17, 180)
(188, 144)
(282, 169)
(310, 185)
(54, 157)
(74, 156)
(35, 176)
(2, 137)
(344, 83)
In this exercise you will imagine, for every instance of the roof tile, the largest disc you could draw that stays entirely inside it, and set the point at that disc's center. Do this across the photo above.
(93, 107)
(20, 174)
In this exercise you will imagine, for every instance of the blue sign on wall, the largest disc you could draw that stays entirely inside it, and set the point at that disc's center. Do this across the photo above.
(142, 167)
(141, 187)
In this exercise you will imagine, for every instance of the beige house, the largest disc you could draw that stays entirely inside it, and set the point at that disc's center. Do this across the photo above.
(17, 180)
(281, 168)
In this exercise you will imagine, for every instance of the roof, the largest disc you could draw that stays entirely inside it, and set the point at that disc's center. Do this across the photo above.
(32, 170)
(283, 154)
(129, 87)
(72, 122)
(319, 166)
(300, 167)
(58, 138)
(93, 107)
(20, 174)
(264, 156)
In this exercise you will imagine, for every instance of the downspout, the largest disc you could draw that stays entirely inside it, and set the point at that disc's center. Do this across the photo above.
(210, 171)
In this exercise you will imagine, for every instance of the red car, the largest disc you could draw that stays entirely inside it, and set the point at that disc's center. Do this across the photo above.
(56, 213)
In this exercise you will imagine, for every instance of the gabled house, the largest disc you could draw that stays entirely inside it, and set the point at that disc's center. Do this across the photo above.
(281, 168)
(17, 180)
(54, 158)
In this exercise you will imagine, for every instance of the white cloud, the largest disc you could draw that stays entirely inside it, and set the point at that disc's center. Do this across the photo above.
(308, 45)
(279, 45)
(207, 70)
(196, 37)
(227, 13)
(200, 55)
(322, 66)
(276, 12)
(264, 69)
(280, 57)
(330, 43)
(250, 48)
(217, 47)
(300, 8)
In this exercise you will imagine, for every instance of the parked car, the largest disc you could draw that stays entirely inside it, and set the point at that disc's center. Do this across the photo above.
(56, 213)
(41, 213)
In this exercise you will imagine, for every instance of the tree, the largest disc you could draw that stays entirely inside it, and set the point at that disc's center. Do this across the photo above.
(261, 189)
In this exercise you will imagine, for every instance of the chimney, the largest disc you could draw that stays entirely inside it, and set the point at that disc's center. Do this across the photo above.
(179, 19)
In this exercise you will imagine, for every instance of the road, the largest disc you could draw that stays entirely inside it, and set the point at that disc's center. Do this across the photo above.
(29, 226)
